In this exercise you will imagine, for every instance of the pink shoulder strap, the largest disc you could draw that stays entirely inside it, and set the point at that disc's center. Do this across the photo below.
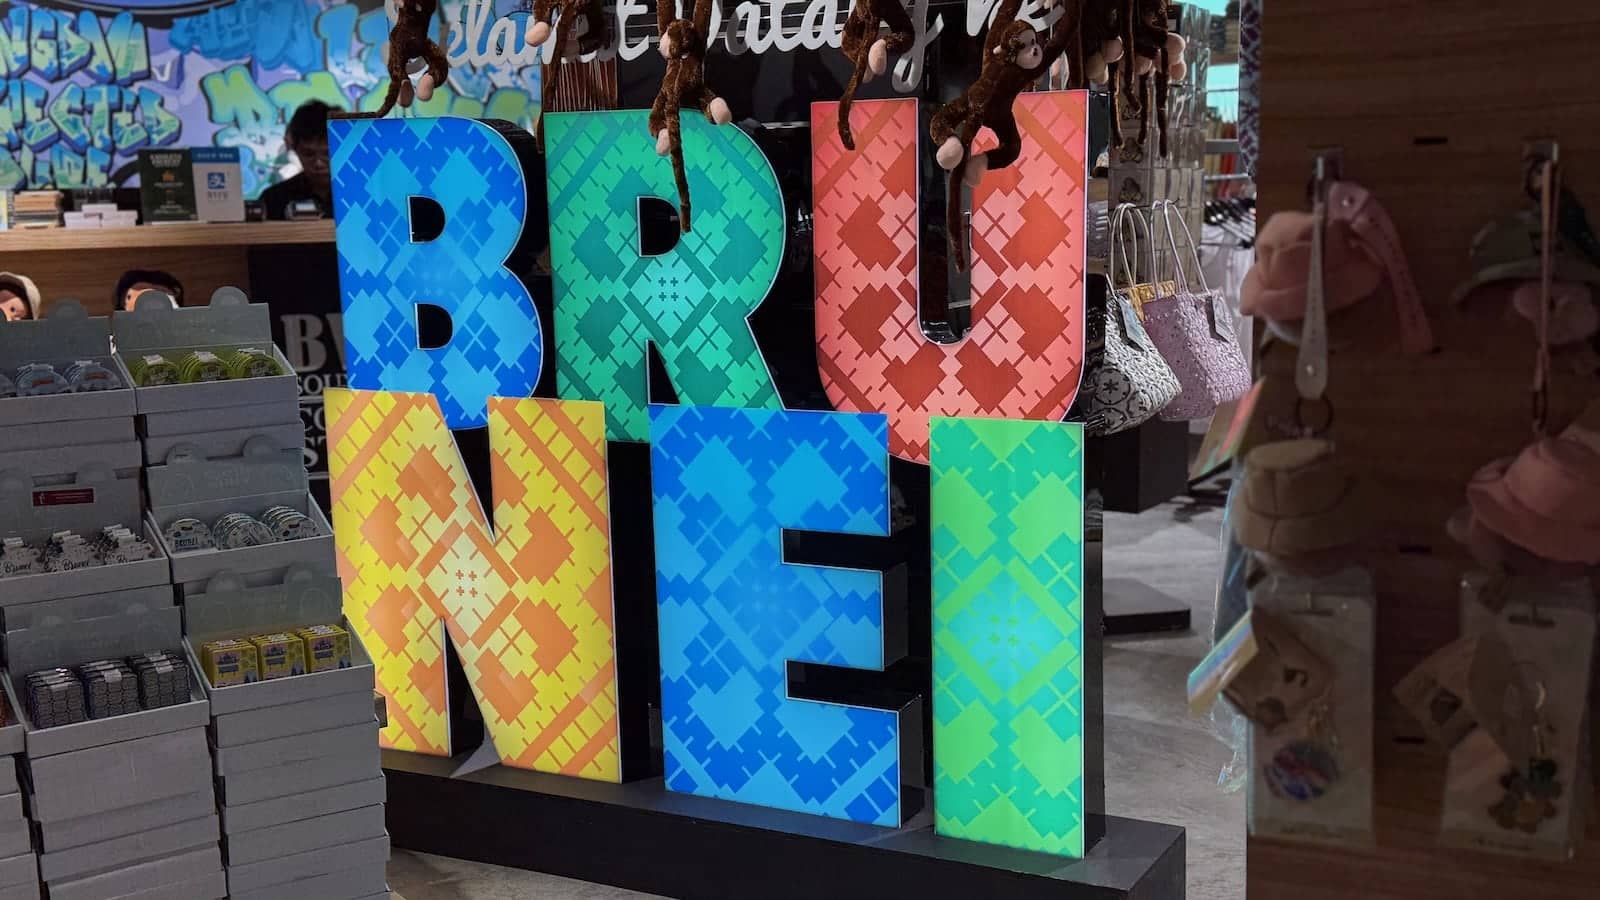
(1372, 225)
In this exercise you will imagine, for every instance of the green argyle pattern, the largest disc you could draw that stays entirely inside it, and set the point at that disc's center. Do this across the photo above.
(691, 302)
(1008, 632)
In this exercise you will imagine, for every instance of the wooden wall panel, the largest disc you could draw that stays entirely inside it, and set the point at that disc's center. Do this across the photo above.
(1432, 104)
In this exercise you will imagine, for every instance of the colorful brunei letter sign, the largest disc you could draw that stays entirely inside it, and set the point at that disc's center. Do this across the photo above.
(1024, 355)
(690, 302)
(386, 173)
(727, 482)
(528, 608)
(1008, 633)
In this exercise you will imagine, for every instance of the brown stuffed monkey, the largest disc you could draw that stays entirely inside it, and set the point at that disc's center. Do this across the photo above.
(409, 40)
(1014, 58)
(683, 43)
(868, 52)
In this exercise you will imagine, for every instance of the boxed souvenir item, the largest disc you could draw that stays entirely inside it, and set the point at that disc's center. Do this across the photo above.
(202, 357)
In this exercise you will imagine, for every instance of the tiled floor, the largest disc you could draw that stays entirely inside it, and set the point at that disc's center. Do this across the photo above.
(1161, 764)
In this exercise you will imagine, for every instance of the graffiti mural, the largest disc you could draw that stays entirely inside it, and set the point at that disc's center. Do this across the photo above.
(82, 89)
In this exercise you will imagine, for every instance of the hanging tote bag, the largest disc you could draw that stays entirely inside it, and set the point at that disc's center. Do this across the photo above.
(1132, 382)
(1194, 331)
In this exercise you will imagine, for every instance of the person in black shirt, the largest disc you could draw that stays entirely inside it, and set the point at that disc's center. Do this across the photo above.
(307, 137)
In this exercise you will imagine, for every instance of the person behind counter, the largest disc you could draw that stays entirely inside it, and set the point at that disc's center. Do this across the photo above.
(19, 297)
(307, 137)
(136, 281)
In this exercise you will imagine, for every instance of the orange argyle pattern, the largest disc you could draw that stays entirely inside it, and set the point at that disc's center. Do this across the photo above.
(1024, 355)
(528, 608)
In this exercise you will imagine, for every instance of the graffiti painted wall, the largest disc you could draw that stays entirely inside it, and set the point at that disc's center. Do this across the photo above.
(84, 84)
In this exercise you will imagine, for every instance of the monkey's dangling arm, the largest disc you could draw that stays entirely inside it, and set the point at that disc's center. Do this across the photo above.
(702, 99)
(702, 21)
(902, 31)
(1010, 142)
(542, 10)
(666, 11)
(950, 121)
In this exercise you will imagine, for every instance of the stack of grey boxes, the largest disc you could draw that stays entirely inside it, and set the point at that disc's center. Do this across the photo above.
(19, 868)
(69, 462)
(296, 759)
(299, 775)
(124, 806)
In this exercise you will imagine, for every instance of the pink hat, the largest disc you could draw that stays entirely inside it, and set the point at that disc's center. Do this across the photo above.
(1546, 500)
(1275, 287)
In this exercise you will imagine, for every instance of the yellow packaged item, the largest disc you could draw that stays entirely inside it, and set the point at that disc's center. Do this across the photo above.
(327, 647)
(281, 655)
(229, 662)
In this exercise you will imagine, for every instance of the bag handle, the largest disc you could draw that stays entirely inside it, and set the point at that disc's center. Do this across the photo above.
(1125, 224)
(1169, 210)
(1549, 221)
(1118, 253)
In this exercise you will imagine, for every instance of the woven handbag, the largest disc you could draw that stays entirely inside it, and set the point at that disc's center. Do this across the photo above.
(1132, 382)
(1194, 331)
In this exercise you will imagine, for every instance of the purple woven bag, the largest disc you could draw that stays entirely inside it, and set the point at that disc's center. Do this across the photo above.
(1194, 331)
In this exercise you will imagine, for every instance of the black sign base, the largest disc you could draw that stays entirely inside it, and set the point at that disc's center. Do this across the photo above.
(642, 837)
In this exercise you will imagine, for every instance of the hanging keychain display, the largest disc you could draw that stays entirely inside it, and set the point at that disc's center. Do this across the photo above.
(1519, 781)
(1305, 517)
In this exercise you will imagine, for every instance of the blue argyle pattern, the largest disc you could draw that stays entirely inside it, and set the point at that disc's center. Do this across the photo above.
(726, 482)
(471, 170)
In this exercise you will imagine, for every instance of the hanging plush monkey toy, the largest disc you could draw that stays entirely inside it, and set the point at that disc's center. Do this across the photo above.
(683, 43)
(869, 52)
(1153, 53)
(409, 40)
(1014, 57)
(596, 35)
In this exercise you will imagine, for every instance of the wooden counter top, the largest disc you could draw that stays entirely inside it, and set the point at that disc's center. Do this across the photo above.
(198, 234)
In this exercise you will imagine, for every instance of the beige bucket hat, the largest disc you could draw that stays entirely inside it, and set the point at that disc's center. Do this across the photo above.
(1298, 506)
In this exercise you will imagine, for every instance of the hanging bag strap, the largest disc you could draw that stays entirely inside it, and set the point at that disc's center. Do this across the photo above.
(1119, 253)
(1217, 308)
(1371, 223)
(1549, 207)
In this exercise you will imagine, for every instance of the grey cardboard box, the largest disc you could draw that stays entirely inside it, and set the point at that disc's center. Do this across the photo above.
(22, 868)
(200, 862)
(64, 834)
(357, 881)
(229, 320)
(207, 887)
(20, 892)
(94, 498)
(303, 836)
(51, 464)
(66, 610)
(104, 856)
(13, 738)
(299, 777)
(283, 870)
(307, 600)
(193, 571)
(80, 433)
(130, 773)
(195, 421)
(296, 747)
(16, 835)
(108, 637)
(8, 776)
(266, 813)
(273, 722)
(224, 442)
(65, 334)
